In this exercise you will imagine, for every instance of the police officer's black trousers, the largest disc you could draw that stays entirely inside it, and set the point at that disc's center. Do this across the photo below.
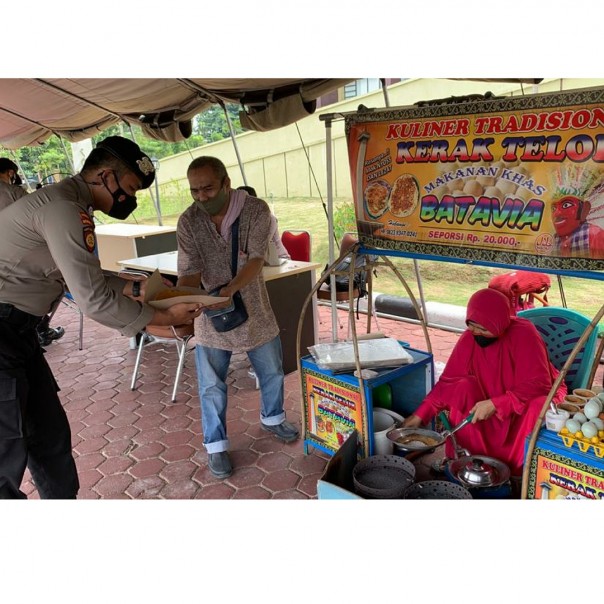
(34, 431)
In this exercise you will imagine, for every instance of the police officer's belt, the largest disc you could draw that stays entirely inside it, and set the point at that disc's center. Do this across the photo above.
(14, 316)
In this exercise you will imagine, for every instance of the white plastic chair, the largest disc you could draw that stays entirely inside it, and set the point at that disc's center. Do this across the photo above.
(178, 335)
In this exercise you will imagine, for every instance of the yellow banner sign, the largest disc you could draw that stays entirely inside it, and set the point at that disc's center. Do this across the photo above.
(514, 181)
(555, 479)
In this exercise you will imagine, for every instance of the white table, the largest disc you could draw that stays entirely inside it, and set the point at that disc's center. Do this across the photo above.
(288, 286)
(116, 241)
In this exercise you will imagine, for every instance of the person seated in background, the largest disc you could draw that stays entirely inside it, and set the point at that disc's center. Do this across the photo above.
(275, 239)
(500, 371)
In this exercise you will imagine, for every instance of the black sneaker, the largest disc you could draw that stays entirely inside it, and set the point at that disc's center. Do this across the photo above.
(220, 464)
(284, 431)
(50, 335)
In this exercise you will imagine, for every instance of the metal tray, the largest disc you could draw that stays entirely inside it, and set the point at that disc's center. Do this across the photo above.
(383, 476)
(436, 489)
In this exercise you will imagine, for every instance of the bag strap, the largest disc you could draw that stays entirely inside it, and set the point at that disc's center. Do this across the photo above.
(234, 246)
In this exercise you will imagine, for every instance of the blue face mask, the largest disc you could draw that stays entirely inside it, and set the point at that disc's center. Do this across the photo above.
(483, 341)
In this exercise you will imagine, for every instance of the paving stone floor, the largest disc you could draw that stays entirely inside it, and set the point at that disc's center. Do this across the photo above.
(140, 445)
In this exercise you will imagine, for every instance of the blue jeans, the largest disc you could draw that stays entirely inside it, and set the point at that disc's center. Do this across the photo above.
(212, 368)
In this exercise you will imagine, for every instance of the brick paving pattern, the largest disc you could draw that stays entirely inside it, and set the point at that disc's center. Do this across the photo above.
(139, 445)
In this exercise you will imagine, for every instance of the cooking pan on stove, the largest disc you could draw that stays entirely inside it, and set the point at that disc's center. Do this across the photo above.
(484, 477)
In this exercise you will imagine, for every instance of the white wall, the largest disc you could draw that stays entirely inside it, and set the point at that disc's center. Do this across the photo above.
(275, 162)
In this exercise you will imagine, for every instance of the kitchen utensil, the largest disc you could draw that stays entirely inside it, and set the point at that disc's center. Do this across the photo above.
(399, 438)
(439, 466)
(383, 421)
(382, 476)
(436, 489)
(404, 442)
(474, 471)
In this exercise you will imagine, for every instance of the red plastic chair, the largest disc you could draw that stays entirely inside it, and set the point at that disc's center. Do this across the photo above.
(298, 244)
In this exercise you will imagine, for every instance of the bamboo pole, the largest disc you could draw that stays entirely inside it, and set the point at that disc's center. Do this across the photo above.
(370, 264)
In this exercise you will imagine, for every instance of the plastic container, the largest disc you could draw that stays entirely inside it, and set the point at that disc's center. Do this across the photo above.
(383, 421)
(555, 422)
(382, 396)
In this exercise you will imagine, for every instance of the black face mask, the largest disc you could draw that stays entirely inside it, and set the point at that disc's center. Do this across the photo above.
(483, 341)
(123, 204)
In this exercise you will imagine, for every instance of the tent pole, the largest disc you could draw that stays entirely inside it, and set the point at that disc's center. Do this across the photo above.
(332, 277)
(232, 131)
(385, 91)
(67, 155)
(418, 276)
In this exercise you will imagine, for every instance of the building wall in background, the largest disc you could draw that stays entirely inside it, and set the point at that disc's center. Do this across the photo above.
(276, 163)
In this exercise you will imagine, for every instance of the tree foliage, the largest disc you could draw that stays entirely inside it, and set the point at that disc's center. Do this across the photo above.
(48, 161)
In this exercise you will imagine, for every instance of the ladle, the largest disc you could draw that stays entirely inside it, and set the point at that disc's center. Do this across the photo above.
(447, 433)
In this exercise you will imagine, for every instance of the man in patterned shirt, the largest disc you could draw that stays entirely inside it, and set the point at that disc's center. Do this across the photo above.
(204, 256)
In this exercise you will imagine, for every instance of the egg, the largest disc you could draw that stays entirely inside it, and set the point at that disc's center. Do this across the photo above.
(573, 425)
(598, 402)
(591, 409)
(589, 430)
(598, 423)
(601, 396)
(580, 417)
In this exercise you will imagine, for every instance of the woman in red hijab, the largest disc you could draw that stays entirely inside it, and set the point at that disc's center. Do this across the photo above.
(500, 371)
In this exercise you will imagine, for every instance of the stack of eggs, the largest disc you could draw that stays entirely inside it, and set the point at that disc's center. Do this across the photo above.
(588, 424)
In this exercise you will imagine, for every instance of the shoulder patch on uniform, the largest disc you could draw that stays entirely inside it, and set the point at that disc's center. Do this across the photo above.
(88, 231)
(86, 220)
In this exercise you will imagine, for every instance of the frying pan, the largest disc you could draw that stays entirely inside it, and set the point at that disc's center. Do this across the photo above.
(403, 441)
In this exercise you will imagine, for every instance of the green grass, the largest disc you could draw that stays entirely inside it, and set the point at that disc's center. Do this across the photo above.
(446, 282)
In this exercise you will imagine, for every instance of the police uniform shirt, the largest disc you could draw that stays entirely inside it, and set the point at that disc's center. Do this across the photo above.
(48, 239)
(9, 194)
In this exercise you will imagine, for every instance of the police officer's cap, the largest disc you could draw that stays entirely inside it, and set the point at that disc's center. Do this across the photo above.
(130, 153)
(6, 165)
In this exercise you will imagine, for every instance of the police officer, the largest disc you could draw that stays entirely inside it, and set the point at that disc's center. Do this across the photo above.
(10, 191)
(47, 242)
(10, 181)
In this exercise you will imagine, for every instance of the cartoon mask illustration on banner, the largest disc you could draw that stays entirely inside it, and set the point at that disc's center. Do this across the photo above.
(575, 196)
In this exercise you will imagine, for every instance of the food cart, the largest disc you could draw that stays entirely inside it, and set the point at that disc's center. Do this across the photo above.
(478, 181)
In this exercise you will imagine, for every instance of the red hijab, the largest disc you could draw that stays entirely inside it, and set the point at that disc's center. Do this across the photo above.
(490, 309)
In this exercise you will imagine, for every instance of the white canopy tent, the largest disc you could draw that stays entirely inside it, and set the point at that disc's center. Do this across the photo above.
(31, 110)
